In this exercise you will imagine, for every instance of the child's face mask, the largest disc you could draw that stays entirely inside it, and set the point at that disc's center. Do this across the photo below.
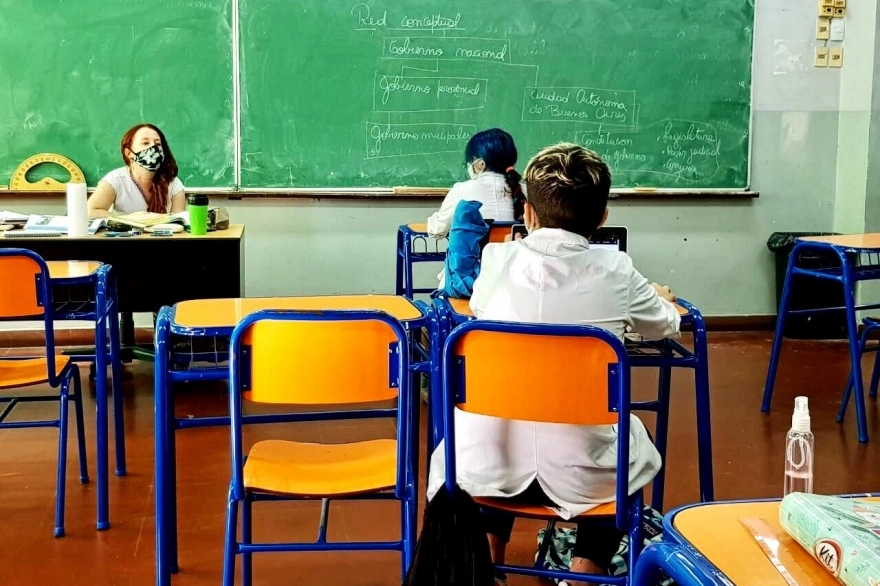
(150, 158)
(472, 172)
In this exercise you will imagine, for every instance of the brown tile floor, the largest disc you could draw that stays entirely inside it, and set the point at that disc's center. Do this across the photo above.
(748, 464)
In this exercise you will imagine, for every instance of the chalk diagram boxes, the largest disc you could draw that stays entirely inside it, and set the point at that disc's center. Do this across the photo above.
(424, 104)
(418, 90)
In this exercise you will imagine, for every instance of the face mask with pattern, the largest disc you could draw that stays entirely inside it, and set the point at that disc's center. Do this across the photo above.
(150, 158)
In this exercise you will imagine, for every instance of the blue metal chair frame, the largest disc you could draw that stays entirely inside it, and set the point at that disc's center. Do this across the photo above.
(57, 380)
(678, 563)
(167, 424)
(847, 274)
(408, 255)
(663, 355)
(870, 324)
(103, 310)
(406, 485)
(628, 516)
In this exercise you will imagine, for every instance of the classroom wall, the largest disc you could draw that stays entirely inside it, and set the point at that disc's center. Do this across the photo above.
(712, 252)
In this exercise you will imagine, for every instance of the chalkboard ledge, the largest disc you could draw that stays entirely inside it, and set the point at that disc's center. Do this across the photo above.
(415, 193)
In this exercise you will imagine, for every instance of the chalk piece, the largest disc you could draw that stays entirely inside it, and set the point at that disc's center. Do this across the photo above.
(645, 189)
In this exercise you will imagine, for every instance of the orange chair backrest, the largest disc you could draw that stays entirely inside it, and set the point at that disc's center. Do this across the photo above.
(555, 379)
(18, 287)
(320, 362)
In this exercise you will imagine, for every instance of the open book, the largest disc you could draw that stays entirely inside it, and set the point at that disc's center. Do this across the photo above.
(146, 219)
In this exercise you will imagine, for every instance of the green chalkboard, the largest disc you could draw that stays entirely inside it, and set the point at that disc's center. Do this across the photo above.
(379, 93)
(76, 74)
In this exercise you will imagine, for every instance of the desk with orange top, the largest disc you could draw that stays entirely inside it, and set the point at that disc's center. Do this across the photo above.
(714, 532)
(153, 271)
(662, 354)
(218, 317)
(853, 258)
(415, 246)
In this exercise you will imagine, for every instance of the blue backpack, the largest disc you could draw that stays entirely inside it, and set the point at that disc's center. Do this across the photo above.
(467, 237)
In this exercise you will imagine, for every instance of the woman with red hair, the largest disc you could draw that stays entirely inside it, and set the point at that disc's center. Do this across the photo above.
(147, 183)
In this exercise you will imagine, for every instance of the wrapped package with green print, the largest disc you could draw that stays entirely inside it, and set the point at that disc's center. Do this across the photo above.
(843, 534)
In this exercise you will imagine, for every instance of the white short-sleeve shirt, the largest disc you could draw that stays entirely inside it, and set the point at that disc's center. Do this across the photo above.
(129, 198)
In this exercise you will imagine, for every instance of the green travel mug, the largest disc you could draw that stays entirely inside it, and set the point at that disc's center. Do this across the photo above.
(197, 203)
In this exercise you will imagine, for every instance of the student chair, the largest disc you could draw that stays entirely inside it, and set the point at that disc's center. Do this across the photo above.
(545, 373)
(332, 358)
(870, 324)
(665, 560)
(413, 246)
(25, 294)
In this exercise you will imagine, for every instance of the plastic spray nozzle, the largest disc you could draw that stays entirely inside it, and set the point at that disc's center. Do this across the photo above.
(800, 419)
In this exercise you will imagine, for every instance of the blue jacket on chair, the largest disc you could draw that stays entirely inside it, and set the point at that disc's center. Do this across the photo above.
(466, 238)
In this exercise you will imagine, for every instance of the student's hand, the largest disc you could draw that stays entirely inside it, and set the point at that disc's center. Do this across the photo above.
(509, 237)
(665, 292)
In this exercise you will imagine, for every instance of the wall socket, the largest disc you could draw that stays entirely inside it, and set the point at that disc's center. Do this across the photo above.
(835, 57)
(821, 59)
(823, 29)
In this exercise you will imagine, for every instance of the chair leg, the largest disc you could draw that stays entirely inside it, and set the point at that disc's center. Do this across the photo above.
(118, 396)
(636, 543)
(850, 382)
(61, 478)
(875, 372)
(230, 547)
(80, 427)
(246, 538)
(662, 436)
(408, 530)
(777, 337)
(546, 543)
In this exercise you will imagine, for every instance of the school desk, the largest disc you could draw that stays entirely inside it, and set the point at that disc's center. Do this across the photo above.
(100, 308)
(663, 355)
(218, 317)
(414, 246)
(856, 257)
(714, 533)
(154, 271)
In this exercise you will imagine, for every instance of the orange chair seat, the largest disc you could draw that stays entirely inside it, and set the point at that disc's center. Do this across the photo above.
(28, 371)
(321, 470)
(540, 511)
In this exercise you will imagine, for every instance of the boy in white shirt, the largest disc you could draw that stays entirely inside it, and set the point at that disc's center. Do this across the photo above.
(553, 276)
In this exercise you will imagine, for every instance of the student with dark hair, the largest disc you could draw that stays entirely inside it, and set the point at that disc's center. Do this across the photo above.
(552, 276)
(490, 157)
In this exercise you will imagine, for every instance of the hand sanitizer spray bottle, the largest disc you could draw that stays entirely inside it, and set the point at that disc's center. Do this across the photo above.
(799, 450)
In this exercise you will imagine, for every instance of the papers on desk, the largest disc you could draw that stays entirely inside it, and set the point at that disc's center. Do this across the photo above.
(57, 224)
(7, 217)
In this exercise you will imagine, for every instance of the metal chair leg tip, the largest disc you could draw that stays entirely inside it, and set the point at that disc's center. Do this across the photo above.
(103, 526)
(84, 480)
(59, 532)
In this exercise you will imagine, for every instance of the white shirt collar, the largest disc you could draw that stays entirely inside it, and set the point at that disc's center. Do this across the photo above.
(557, 236)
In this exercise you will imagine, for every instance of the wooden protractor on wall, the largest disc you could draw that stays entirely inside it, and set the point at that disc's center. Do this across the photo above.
(20, 182)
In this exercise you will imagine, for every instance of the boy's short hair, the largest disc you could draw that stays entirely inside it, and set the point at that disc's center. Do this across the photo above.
(568, 187)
